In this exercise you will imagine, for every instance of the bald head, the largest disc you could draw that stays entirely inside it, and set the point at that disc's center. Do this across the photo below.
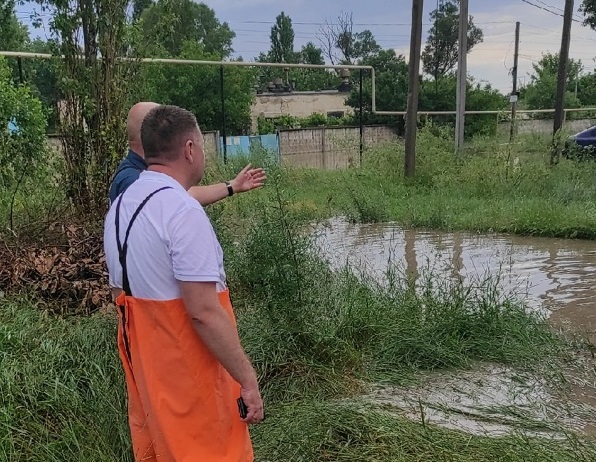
(133, 125)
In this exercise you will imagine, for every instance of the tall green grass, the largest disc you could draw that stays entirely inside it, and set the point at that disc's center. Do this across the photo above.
(62, 395)
(311, 329)
(351, 431)
(318, 338)
(491, 187)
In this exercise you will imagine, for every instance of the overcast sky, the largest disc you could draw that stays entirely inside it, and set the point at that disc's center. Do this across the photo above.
(389, 20)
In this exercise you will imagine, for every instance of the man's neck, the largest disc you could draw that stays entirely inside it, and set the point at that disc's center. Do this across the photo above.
(171, 172)
(137, 148)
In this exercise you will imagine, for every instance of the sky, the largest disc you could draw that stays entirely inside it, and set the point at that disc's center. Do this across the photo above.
(390, 23)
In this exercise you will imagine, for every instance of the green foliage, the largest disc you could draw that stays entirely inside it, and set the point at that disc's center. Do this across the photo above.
(139, 6)
(197, 88)
(588, 7)
(13, 34)
(24, 149)
(492, 188)
(541, 92)
(63, 391)
(391, 73)
(439, 95)
(282, 51)
(43, 77)
(586, 90)
(440, 54)
(169, 24)
(265, 126)
(282, 41)
(549, 66)
(312, 79)
(94, 89)
(344, 46)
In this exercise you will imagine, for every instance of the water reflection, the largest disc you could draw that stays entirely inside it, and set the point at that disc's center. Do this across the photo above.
(557, 274)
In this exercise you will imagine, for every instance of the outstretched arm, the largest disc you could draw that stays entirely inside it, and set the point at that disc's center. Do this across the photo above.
(248, 179)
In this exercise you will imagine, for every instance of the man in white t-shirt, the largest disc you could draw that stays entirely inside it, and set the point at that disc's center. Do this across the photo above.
(187, 375)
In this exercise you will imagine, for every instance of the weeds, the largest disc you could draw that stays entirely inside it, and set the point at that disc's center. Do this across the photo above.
(320, 337)
(62, 394)
(349, 431)
(478, 191)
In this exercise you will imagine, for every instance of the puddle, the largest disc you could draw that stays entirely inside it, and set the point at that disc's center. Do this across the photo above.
(554, 276)
(490, 400)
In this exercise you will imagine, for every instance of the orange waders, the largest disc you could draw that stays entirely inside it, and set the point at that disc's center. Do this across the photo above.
(181, 401)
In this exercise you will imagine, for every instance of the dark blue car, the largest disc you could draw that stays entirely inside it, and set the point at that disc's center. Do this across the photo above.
(581, 144)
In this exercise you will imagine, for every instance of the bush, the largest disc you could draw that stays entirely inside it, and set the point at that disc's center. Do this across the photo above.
(23, 147)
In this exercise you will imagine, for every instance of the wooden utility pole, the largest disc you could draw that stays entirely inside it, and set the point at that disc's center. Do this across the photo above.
(561, 81)
(462, 75)
(514, 95)
(413, 88)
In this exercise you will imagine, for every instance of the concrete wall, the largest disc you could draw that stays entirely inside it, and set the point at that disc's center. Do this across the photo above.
(546, 126)
(211, 145)
(329, 148)
(298, 104)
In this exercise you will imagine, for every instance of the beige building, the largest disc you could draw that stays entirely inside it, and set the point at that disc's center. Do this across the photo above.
(331, 103)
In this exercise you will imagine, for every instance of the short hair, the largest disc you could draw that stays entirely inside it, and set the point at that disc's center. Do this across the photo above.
(164, 130)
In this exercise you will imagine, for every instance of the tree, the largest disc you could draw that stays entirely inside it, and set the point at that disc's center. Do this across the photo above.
(540, 92)
(42, 75)
(13, 34)
(313, 79)
(282, 51)
(588, 7)
(94, 85)
(197, 88)
(440, 95)
(365, 45)
(391, 86)
(311, 54)
(342, 45)
(441, 53)
(138, 7)
(586, 90)
(24, 147)
(168, 24)
(549, 65)
(282, 41)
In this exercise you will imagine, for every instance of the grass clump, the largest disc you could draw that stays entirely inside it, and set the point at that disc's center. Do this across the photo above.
(62, 393)
(351, 431)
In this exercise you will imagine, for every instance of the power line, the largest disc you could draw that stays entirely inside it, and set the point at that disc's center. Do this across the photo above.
(555, 32)
(402, 24)
(553, 7)
(548, 10)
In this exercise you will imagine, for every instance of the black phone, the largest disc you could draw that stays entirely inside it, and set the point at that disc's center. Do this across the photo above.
(242, 408)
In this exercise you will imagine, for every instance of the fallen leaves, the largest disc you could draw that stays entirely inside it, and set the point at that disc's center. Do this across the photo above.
(71, 276)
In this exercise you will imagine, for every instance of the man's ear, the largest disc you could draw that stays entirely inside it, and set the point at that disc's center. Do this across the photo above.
(188, 151)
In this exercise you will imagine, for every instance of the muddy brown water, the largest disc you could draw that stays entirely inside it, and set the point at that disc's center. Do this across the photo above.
(554, 276)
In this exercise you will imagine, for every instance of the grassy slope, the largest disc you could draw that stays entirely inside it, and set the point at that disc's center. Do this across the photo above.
(314, 335)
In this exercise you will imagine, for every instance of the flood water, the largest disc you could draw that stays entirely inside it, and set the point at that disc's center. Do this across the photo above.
(555, 276)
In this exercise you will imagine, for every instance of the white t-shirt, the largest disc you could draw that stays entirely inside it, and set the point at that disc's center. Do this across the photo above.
(171, 240)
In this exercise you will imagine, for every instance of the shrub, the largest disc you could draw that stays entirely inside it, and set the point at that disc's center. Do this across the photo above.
(23, 144)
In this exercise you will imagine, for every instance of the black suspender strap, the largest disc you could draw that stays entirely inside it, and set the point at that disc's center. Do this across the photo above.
(123, 246)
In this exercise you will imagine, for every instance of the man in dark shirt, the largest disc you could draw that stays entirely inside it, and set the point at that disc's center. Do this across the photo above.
(133, 164)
